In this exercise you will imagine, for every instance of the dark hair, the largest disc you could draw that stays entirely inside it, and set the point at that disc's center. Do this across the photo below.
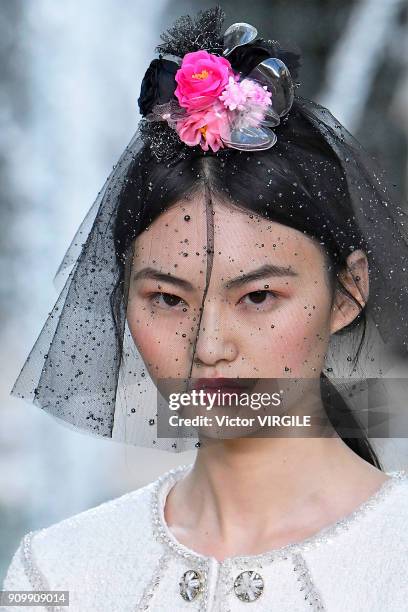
(299, 182)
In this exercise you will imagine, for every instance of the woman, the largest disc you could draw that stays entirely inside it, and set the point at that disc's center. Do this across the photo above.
(236, 247)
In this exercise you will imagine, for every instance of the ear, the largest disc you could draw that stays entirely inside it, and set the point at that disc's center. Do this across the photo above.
(355, 278)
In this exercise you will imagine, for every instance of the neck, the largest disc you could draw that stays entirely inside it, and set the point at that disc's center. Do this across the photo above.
(253, 491)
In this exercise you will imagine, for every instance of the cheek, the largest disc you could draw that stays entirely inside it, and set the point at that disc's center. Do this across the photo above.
(162, 341)
(291, 342)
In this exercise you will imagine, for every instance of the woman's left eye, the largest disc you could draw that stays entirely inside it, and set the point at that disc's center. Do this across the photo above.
(259, 298)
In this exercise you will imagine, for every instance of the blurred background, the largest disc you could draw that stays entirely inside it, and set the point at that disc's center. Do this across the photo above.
(70, 75)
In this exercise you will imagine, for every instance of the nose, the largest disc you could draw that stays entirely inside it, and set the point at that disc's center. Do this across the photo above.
(216, 340)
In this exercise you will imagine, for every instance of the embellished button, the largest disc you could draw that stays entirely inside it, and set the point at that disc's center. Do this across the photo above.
(191, 584)
(248, 586)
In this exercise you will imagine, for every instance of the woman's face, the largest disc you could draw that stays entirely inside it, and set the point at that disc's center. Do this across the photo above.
(267, 311)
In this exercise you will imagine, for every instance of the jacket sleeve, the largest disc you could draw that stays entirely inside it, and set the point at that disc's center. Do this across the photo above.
(23, 575)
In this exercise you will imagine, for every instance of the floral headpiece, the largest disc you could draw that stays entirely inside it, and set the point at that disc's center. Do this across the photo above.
(222, 91)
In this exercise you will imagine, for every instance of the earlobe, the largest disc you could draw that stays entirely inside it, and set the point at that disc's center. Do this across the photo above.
(354, 279)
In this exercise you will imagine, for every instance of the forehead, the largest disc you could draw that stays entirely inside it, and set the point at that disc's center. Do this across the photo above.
(180, 236)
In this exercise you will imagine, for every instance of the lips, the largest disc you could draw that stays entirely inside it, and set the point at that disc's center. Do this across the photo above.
(226, 385)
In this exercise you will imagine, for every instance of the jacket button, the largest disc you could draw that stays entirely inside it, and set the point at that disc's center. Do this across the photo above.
(191, 584)
(248, 586)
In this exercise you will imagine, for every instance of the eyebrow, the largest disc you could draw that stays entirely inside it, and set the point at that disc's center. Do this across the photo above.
(161, 276)
(265, 271)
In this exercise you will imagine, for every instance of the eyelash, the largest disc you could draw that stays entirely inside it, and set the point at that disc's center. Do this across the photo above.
(155, 296)
(266, 291)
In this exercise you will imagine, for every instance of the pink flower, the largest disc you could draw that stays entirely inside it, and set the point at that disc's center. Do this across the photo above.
(201, 79)
(245, 94)
(205, 127)
(233, 96)
(258, 94)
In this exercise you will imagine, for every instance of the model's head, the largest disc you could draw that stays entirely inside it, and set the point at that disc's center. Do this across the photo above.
(224, 263)
(286, 265)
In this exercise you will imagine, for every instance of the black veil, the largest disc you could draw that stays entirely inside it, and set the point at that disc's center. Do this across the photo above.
(85, 368)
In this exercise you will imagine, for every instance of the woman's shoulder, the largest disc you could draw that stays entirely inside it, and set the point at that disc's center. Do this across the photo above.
(383, 515)
(85, 543)
(119, 514)
(378, 527)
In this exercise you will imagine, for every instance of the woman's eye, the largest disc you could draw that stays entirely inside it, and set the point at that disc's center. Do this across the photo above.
(166, 300)
(260, 297)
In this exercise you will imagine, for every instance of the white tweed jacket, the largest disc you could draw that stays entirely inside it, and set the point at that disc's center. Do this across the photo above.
(121, 556)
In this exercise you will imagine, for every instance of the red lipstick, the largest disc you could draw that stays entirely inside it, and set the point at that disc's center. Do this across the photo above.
(226, 385)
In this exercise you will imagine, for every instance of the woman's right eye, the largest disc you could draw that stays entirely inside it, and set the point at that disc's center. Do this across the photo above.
(167, 300)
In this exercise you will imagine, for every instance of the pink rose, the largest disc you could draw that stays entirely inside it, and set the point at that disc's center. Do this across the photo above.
(201, 79)
(205, 127)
